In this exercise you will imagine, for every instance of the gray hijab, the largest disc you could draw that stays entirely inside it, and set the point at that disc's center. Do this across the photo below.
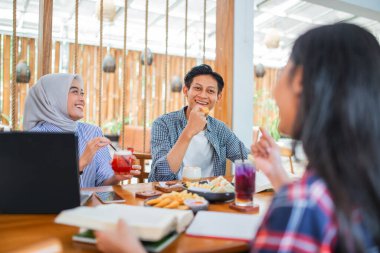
(47, 102)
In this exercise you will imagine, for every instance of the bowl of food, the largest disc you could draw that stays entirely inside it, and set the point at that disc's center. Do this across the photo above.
(216, 190)
(196, 204)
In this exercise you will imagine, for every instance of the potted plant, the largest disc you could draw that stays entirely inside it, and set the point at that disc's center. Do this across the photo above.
(112, 129)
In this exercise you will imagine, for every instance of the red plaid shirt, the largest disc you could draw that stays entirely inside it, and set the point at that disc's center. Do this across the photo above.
(300, 219)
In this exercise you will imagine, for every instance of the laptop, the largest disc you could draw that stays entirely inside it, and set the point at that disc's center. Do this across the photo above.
(39, 172)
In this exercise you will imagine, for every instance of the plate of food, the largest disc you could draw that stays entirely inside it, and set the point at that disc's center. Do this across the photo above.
(178, 200)
(216, 190)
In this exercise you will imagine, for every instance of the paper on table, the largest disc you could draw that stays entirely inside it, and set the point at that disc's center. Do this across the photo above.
(225, 225)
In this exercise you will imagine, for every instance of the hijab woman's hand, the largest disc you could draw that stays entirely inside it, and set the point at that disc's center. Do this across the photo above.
(91, 148)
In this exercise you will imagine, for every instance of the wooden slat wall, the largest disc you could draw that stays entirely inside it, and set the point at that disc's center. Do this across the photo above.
(112, 82)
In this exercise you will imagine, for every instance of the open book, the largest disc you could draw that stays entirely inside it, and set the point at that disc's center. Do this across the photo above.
(149, 224)
(262, 182)
(87, 236)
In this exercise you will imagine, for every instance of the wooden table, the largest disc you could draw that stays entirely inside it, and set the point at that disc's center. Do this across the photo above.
(18, 231)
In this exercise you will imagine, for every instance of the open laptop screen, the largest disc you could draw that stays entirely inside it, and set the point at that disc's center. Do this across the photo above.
(39, 172)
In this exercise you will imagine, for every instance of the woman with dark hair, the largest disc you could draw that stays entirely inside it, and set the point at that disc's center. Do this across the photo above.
(329, 98)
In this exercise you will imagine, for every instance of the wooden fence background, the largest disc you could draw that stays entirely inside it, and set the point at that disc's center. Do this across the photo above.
(112, 82)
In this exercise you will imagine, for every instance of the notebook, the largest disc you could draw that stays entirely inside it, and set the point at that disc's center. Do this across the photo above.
(39, 172)
(241, 227)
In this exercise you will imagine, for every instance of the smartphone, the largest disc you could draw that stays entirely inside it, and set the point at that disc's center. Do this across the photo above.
(109, 197)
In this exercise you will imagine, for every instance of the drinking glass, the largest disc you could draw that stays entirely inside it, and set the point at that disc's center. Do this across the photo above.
(245, 173)
(122, 162)
(191, 173)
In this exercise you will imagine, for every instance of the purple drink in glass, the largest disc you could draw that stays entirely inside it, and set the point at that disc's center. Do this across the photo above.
(245, 176)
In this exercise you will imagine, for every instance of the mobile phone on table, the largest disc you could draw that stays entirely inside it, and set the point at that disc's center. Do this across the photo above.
(109, 197)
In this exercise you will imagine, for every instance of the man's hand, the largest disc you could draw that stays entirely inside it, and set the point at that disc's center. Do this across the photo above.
(197, 121)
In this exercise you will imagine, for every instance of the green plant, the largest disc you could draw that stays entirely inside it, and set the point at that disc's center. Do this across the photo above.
(114, 126)
(273, 129)
(266, 112)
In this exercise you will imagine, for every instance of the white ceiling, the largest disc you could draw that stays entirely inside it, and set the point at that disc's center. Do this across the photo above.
(289, 17)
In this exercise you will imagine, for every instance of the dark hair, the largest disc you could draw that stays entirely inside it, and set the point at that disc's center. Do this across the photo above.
(203, 69)
(339, 123)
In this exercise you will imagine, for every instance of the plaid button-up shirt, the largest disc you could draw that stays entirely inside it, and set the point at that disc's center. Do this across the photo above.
(302, 219)
(165, 132)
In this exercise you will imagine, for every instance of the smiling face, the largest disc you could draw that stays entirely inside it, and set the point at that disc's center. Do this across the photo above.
(203, 91)
(75, 101)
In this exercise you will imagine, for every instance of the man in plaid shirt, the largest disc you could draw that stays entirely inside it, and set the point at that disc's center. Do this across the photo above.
(190, 137)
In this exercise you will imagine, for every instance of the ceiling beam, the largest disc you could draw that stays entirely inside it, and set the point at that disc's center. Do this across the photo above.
(365, 8)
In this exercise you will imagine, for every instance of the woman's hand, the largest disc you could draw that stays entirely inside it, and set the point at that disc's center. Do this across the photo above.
(91, 148)
(135, 171)
(119, 240)
(268, 160)
(116, 178)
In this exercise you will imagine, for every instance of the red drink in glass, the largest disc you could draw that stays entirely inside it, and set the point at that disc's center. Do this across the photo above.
(245, 176)
(122, 162)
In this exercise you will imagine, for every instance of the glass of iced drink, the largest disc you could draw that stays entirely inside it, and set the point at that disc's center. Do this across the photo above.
(245, 174)
(122, 162)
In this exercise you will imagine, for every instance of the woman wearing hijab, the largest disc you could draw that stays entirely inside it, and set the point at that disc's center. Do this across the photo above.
(55, 104)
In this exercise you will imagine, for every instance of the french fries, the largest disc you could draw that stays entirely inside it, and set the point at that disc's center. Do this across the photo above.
(173, 200)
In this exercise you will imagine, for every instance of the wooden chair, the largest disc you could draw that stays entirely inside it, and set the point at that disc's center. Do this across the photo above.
(288, 152)
(142, 157)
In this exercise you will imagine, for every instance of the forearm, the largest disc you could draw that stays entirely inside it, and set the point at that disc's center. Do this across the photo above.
(110, 181)
(177, 153)
(279, 178)
(82, 164)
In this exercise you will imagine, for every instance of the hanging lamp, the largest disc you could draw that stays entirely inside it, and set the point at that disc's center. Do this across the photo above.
(109, 10)
(149, 57)
(185, 57)
(124, 73)
(176, 84)
(22, 72)
(259, 70)
(14, 82)
(100, 76)
(272, 38)
(204, 30)
(166, 53)
(145, 69)
(109, 64)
